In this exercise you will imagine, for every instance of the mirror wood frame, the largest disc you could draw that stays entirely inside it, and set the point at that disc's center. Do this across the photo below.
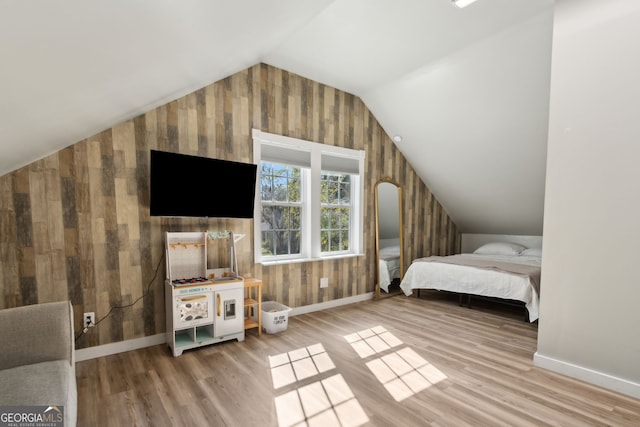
(388, 180)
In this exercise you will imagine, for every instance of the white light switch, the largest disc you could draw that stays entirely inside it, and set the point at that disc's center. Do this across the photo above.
(324, 282)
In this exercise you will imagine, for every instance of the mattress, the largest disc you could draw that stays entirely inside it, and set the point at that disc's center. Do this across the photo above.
(389, 266)
(389, 270)
(477, 281)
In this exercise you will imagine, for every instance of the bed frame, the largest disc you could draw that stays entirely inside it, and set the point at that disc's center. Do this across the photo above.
(507, 302)
(464, 300)
(470, 242)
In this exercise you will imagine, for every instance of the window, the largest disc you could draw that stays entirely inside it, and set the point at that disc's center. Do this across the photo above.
(335, 212)
(309, 204)
(280, 194)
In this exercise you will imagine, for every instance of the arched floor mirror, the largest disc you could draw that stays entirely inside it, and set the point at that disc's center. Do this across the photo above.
(389, 238)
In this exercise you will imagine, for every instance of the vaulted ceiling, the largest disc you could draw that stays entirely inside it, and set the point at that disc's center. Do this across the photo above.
(467, 90)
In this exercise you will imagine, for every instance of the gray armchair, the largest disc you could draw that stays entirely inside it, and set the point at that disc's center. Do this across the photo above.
(37, 363)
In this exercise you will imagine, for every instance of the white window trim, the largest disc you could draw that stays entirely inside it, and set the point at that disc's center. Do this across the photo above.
(352, 220)
(310, 246)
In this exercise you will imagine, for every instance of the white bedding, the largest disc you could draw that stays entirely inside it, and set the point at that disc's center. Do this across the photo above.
(389, 266)
(475, 281)
(389, 270)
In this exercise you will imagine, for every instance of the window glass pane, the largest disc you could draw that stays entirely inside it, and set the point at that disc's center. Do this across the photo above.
(266, 169)
(294, 216)
(280, 189)
(334, 219)
(280, 183)
(324, 240)
(281, 243)
(267, 218)
(267, 243)
(266, 182)
(344, 240)
(332, 192)
(335, 222)
(294, 190)
(334, 241)
(266, 188)
(325, 218)
(343, 218)
(345, 192)
(334, 233)
(280, 217)
(279, 170)
(294, 245)
(323, 191)
(281, 210)
(335, 189)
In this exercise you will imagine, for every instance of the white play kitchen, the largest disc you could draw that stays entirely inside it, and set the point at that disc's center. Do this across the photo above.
(203, 306)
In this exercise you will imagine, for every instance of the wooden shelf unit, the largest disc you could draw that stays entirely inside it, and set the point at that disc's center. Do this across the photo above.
(253, 300)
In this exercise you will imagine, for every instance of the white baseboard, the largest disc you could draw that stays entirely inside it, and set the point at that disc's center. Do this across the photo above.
(330, 304)
(137, 343)
(119, 347)
(588, 375)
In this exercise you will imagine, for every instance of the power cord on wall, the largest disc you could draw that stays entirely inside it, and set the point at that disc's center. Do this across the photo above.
(115, 307)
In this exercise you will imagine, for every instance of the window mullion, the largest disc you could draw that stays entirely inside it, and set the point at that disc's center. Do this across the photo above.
(314, 200)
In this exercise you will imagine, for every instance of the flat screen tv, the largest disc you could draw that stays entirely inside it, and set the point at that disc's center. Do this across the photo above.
(192, 186)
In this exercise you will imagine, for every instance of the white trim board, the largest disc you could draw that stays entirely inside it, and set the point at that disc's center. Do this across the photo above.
(119, 347)
(330, 304)
(138, 343)
(587, 375)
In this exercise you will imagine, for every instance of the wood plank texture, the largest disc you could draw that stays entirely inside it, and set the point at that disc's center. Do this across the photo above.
(75, 225)
(478, 364)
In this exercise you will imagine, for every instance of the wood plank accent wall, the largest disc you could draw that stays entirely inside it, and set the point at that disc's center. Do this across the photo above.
(75, 225)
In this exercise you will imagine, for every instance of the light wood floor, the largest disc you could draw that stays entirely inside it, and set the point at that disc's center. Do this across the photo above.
(457, 367)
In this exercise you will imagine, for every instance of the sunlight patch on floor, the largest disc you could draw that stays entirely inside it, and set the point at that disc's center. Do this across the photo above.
(403, 373)
(296, 365)
(372, 341)
(325, 402)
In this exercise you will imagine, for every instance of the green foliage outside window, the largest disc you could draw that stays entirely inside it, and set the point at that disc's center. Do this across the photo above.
(282, 209)
(280, 190)
(335, 212)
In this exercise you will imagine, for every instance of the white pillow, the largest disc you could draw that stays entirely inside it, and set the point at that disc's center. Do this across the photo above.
(532, 252)
(500, 248)
(390, 251)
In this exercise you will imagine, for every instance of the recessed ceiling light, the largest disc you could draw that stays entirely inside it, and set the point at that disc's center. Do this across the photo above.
(397, 138)
(462, 3)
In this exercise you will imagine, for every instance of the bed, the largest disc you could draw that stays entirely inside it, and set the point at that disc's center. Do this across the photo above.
(505, 271)
(389, 266)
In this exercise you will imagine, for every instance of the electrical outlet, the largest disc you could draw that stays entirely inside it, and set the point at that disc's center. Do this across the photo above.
(324, 282)
(89, 319)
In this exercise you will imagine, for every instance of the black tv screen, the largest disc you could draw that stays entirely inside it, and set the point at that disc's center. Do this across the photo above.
(192, 186)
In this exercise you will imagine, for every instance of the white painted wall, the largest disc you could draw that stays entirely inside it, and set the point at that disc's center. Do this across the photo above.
(589, 314)
(474, 124)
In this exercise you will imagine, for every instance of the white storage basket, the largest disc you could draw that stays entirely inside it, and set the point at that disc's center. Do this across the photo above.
(275, 317)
